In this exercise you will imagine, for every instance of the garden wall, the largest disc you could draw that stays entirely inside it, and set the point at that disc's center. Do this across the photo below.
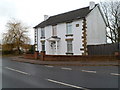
(43, 57)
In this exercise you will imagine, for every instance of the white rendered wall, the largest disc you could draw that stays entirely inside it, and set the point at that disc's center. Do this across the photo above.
(61, 32)
(96, 33)
(39, 43)
(77, 33)
(48, 34)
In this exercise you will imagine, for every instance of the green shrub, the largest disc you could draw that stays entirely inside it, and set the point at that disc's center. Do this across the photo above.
(31, 50)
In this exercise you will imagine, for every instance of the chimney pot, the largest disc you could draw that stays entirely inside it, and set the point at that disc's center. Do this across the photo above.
(91, 5)
(46, 17)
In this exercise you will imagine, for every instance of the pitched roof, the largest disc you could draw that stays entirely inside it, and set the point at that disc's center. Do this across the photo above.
(65, 17)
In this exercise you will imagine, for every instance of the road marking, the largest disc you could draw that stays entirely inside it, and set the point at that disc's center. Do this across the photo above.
(116, 74)
(66, 84)
(89, 71)
(66, 68)
(48, 66)
(17, 71)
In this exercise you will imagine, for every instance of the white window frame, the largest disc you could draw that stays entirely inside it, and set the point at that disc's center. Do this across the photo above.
(69, 46)
(54, 30)
(69, 28)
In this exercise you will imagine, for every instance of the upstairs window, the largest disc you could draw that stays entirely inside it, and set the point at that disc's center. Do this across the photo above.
(42, 32)
(69, 28)
(54, 30)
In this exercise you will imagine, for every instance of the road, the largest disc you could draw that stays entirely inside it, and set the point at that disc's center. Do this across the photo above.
(0, 71)
(25, 75)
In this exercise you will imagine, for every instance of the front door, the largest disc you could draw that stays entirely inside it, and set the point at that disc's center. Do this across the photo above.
(53, 47)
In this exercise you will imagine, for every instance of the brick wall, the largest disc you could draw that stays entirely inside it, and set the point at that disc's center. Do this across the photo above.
(77, 58)
(29, 56)
(44, 57)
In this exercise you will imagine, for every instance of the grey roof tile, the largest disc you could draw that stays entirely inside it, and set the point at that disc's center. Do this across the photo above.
(65, 17)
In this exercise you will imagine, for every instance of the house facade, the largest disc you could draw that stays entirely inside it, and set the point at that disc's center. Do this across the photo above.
(69, 33)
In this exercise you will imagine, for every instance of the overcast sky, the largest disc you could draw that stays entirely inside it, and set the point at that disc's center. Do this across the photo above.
(31, 12)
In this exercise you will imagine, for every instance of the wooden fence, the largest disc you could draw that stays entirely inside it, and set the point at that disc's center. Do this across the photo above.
(103, 49)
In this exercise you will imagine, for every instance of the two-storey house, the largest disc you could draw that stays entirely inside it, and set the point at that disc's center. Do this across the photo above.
(69, 33)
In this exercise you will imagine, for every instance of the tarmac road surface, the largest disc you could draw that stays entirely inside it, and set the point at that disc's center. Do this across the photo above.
(25, 75)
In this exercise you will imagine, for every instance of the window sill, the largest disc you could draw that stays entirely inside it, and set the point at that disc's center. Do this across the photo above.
(42, 37)
(68, 35)
(68, 53)
(54, 36)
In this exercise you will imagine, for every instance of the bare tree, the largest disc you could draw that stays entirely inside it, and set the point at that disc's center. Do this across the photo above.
(16, 34)
(111, 11)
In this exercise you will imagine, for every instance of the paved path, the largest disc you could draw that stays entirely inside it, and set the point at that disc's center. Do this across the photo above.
(71, 63)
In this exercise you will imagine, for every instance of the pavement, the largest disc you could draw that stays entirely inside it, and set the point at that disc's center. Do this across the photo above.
(68, 63)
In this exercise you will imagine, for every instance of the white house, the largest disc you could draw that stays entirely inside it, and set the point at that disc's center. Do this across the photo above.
(69, 33)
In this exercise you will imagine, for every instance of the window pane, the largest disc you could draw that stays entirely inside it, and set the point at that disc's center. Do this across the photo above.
(54, 31)
(42, 32)
(69, 28)
(69, 46)
(43, 46)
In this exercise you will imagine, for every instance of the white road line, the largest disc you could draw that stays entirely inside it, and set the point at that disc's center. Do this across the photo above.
(116, 74)
(66, 84)
(88, 71)
(66, 68)
(17, 71)
(48, 66)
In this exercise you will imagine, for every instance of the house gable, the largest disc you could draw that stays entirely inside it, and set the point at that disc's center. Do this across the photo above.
(96, 27)
(100, 11)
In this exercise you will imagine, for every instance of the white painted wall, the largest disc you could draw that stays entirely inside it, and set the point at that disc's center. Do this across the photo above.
(39, 34)
(48, 34)
(77, 33)
(96, 33)
(61, 32)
